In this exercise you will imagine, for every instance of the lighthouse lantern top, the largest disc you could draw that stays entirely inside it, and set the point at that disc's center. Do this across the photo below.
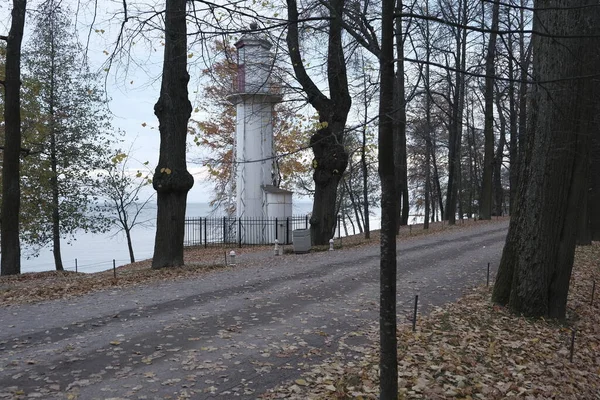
(255, 62)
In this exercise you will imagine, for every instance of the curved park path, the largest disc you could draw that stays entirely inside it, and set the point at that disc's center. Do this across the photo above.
(233, 333)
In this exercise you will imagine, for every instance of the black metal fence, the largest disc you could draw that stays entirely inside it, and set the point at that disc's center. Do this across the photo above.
(238, 232)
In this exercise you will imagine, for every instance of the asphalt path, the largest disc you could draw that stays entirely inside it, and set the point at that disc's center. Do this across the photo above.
(232, 333)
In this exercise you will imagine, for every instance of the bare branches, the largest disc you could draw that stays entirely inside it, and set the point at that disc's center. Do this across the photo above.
(500, 78)
(487, 30)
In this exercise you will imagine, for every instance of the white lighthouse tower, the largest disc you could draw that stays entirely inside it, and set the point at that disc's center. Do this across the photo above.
(257, 193)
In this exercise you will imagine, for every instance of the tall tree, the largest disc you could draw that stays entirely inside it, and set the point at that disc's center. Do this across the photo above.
(458, 100)
(388, 362)
(535, 270)
(11, 198)
(485, 199)
(400, 162)
(330, 156)
(72, 139)
(172, 181)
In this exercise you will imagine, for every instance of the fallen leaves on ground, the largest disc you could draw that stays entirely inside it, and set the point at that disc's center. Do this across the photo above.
(473, 349)
(41, 286)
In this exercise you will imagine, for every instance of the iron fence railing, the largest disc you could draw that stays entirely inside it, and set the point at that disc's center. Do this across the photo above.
(238, 232)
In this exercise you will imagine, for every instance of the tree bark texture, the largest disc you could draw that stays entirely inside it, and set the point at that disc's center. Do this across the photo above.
(388, 362)
(171, 179)
(330, 156)
(10, 246)
(485, 198)
(400, 164)
(594, 190)
(536, 264)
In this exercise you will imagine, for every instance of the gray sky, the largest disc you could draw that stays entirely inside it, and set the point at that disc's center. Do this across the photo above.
(132, 93)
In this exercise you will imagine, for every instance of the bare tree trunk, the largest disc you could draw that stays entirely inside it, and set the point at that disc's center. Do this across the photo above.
(55, 198)
(436, 180)
(10, 247)
(428, 146)
(498, 190)
(388, 362)
(400, 164)
(129, 244)
(536, 263)
(427, 180)
(513, 127)
(485, 199)
(171, 179)
(365, 178)
(455, 132)
(331, 159)
(355, 205)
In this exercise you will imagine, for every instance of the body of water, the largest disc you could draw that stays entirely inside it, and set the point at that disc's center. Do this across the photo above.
(96, 252)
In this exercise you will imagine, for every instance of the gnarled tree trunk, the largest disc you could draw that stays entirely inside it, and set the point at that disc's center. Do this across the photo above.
(331, 158)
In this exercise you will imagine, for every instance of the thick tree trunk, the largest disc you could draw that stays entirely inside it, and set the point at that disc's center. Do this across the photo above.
(536, 264)
(331, 159)
(329, 163)
(171, 179)
(485, 199)
(594, 189)
(388, 362)
(10, 246)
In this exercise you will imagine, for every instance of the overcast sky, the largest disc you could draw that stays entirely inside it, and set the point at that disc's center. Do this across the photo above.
(132, 90)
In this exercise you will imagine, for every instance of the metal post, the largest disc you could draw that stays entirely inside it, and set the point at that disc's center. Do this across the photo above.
(76, 271)
(240, 232)
(224, 231)
(487, 283)
(340, 229)
(114, 269)
(414, 321)
(232, 258)
(276, 225)
(287, 230)
(205, 236)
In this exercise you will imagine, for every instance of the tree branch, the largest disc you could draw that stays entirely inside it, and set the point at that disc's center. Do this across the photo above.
(487, 30)
(25, 151)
